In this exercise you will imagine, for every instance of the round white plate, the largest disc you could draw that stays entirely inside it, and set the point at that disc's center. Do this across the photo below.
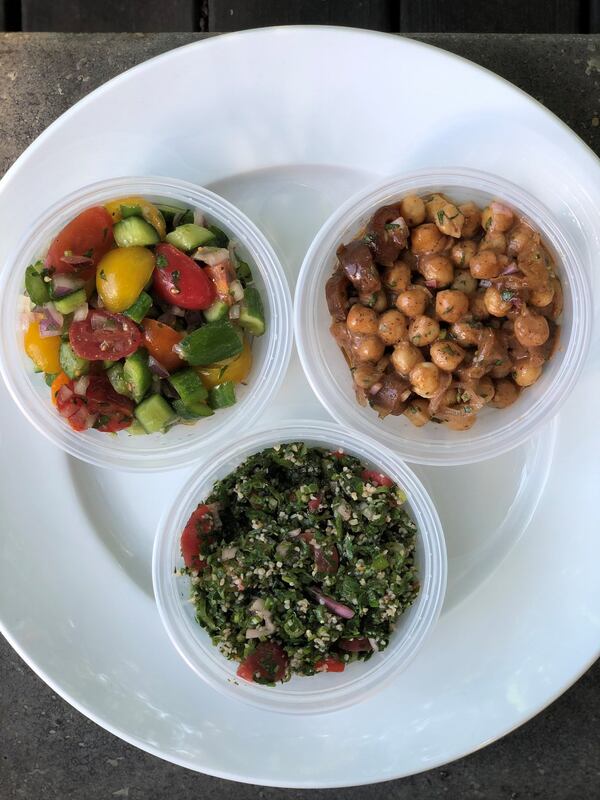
(286, 123)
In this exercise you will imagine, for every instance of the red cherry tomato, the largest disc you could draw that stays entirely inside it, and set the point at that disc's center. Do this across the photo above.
(267, 664)
(376, 478)
(355, 645)
(327, 558)
(103, 336)
(330, 665)
(100, 406)
(88, 236)
(180, 281)
(196, 535)
(113, 411)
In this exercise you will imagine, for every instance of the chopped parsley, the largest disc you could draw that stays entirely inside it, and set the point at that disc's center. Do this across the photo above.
(161, 261)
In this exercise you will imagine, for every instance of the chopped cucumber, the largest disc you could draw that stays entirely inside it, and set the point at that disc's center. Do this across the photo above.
(252, 314)
(174, 214)
(140, 308)
(196, 411)
(136, 429)
(71, 364)
(221, 238)
(117, 379)
(155, 414)
(215, 341)
(130, 210)
(189, 237)
(189, 387)
(37, 289)
(137, 375)
(68, 304)
(218, 310)
(222, 396)
(244, 272)
(135, 231)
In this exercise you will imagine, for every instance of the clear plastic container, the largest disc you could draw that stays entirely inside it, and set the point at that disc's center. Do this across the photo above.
(495, 431)
(326, 691)
(182, 444)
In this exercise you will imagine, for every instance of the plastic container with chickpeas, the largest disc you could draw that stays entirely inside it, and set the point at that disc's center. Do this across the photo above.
(445, 314)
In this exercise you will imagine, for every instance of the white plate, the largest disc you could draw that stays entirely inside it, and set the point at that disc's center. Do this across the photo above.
(304, 117)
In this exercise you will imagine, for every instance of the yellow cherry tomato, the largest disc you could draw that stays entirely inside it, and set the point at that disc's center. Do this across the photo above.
(42, 351)
(121, 275)
(236, 369)
(147, 209)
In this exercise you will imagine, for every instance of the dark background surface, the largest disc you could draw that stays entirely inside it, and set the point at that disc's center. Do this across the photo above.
(406, 16)
(48, 751)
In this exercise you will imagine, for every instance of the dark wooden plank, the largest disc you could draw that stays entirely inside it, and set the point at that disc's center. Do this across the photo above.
(105, 16)
(594, 16)
(235, 15)
(505, 16)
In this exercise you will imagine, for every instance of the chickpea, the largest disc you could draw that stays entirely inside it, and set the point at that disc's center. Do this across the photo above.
(413, 301)
(526, 372)
(417, 411)
(368, 348)
(505, 395)
(425, 378)
(485, 265)
(366, 376)
(381, 302)
(495, 303)
(392, 327)
(451, 305)
(464, 281)
(502, 366)
(361, 320)
(412, 208)
(461, 423)
(518, 239)
(427, 239)
(404, 358)
(450, 220)
(531, 330)
(486, 389)
(477, 305)
(446, 355)
(472, 217)
(432, 205)
(466, 333)
(437, 268)
(497, 218)
(540, 298)
(396, 277)
(423, 330)
(462, 252)
(493, 241)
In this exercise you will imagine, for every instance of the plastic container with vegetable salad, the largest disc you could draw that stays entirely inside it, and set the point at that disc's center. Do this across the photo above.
(180, 332)
(330, 689)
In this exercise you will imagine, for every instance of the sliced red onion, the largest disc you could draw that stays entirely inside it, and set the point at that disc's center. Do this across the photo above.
(485, 283)
(53, 314)
(339, 609)
(431, 284)
(63, 285)
(76, 260)
(199, 218)
(48, 328)
(517, 302)
(211, 255)
(234, 312)
(51, 321)
(81, 312)
(157, 368)
(80, 386)
(510, 269)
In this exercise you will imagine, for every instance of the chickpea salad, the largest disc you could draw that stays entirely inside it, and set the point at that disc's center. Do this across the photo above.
(140, 316)
(441, 309)
(301, 561)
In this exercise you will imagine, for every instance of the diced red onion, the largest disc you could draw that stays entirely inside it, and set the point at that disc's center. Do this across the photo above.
(510, 269)
(178, 312)
(485, 283)
(237, 291)
(63, 285)
(339, 609)
(100, 322)
(53, 314)
(234, 312)
(431, 284)
(80, 386)
(48, 328)
(375, 388)
(64, 394)
(51, 321)
(199, 218)
(81, 313)
(157, 368)
(517, 302)
(76, 260)
(211, 255)
(373, 644)
(296, 532)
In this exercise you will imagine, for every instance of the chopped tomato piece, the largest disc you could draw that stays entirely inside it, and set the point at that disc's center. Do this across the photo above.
(181, 281)
(159, 340)
(196, 535)
(81, 244)
(376, 478)
(330, 665)
(267, 664)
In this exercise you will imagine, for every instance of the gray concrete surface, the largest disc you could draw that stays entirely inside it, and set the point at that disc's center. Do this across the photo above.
(50, 751)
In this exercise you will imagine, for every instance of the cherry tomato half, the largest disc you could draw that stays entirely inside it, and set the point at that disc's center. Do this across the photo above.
(103, 336)
(267, 664)
(100, 406)
(376, 478)
(89, 236)
(330, 665)
(196, 535)
(159, 341)
(180, 281)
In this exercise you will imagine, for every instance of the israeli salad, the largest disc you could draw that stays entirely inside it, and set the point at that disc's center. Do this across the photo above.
(140, 316)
